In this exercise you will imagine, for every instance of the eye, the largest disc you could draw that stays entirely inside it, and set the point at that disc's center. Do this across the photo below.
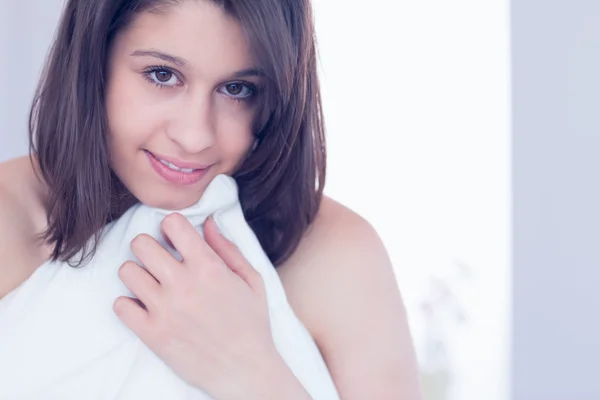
(238, 90)
(162, 76)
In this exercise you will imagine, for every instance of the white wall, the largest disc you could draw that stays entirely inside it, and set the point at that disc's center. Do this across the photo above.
(556, 349)
(26, 29)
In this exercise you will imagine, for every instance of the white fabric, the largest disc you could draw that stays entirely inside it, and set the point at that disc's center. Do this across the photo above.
(60, 339)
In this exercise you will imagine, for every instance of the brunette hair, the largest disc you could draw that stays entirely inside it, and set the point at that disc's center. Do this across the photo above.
(280, 183)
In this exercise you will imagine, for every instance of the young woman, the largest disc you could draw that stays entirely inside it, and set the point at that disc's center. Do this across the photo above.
(146, 102)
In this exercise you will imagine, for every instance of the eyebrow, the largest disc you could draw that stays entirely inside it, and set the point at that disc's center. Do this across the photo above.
(160, 55)
(182, 62)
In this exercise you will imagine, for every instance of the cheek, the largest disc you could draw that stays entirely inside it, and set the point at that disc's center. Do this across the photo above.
(130, 112)
(235, 136)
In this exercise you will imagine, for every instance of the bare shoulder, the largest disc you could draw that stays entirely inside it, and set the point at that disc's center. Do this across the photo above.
(341, 284)
(340, 258)
(18, 227)
(330, 248)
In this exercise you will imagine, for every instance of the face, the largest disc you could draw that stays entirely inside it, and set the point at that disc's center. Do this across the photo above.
(182, 94)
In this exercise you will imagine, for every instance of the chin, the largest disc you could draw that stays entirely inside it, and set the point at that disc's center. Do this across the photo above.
(171, 203)
(176, 205)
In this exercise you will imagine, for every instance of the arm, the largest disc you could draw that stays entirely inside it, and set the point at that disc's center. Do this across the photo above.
(18, 254)
(341, 284)
(275, 381)
(10, 244)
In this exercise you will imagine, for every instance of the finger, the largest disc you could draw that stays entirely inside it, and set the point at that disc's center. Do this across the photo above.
(141, 283)
(185, 239)
(232, 256)
(132, 315)
(154, 257)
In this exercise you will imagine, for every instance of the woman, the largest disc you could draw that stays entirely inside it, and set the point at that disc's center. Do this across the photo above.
(147, 101)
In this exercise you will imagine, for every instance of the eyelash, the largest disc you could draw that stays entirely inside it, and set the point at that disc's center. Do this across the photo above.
(163, 68)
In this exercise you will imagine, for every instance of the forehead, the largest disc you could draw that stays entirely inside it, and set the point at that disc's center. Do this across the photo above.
(200, 31)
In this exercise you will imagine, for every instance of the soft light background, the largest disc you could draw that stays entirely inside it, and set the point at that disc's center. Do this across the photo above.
(417, 103)
(416, 97)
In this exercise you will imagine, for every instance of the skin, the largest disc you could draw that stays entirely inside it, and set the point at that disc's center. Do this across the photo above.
(339, 281)
(188, 112)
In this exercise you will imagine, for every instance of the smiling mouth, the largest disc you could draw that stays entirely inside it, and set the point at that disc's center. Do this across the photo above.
(176, 171)
(175, 167)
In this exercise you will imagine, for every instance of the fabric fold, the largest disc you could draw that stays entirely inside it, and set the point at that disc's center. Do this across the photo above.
(60, 339)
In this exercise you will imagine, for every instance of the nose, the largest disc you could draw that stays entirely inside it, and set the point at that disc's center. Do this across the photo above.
(193, 128)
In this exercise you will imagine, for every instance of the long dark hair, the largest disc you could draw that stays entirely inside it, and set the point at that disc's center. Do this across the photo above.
(280, 183)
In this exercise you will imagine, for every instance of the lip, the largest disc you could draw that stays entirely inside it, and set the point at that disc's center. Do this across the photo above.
(180, 163)
(177, 177)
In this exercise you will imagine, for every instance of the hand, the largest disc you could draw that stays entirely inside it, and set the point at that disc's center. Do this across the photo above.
(205, 316)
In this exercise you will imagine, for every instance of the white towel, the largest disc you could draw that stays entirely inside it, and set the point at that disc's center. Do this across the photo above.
(60, 339)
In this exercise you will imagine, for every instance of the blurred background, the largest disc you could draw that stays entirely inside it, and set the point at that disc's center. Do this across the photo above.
(417, 112)
(467, 133)
(416, 98)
